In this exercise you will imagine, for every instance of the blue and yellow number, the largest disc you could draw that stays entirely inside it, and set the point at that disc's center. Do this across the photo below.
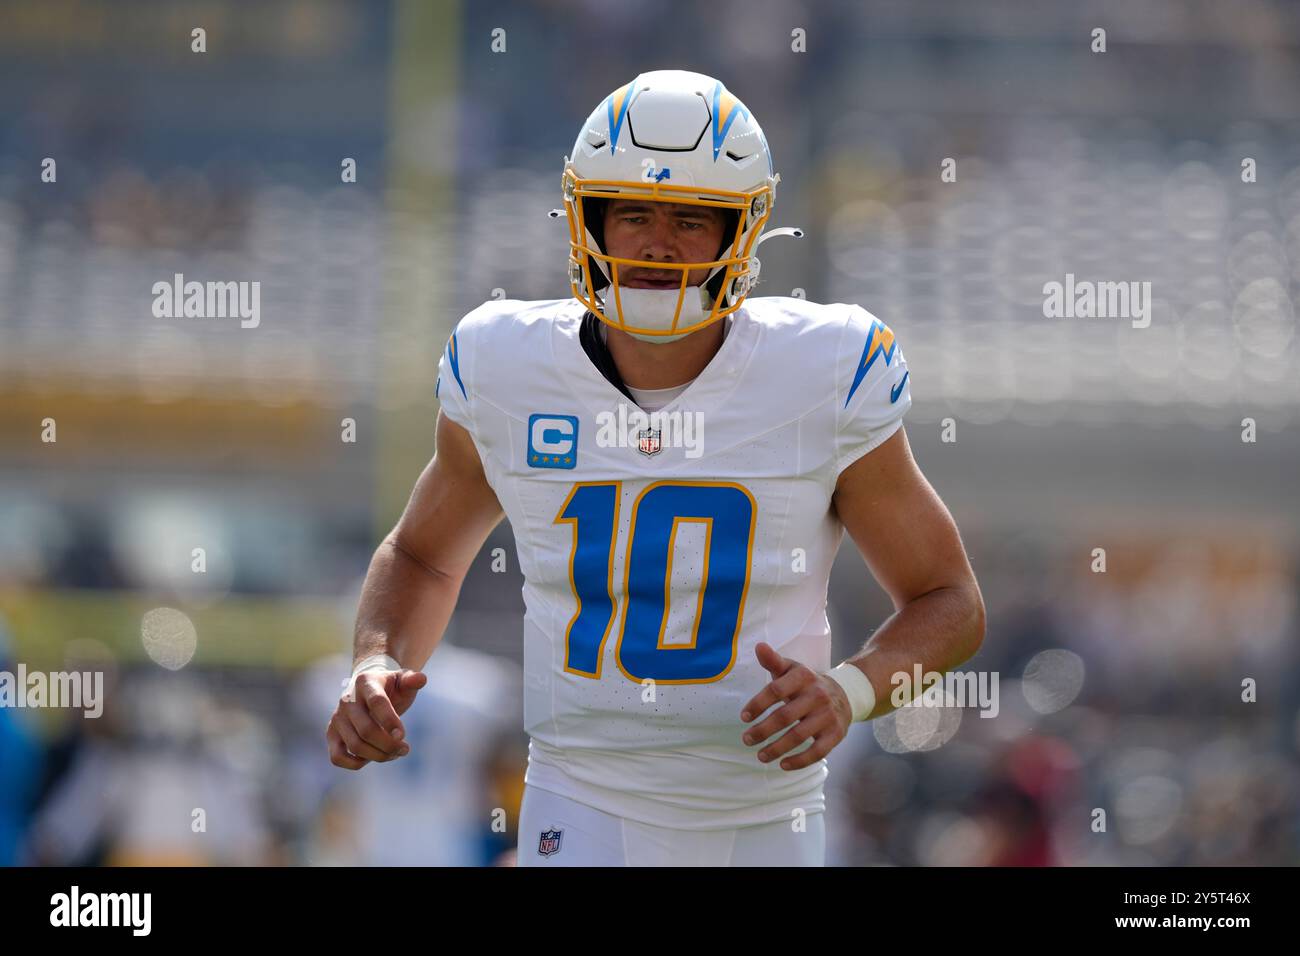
(726, 510)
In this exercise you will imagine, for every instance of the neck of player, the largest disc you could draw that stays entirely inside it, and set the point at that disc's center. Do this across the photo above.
(664, 364)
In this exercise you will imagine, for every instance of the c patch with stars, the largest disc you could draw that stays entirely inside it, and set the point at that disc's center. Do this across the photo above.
(552, 441)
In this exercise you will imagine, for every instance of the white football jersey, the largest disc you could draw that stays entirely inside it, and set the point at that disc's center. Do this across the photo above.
(657, 554)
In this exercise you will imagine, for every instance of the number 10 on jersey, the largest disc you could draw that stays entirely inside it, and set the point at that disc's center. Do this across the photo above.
(726, 510)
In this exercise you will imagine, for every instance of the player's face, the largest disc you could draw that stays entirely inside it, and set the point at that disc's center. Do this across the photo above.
(661, 232)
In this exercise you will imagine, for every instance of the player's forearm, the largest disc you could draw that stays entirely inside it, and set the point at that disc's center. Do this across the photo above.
(405, 606)
(938, 630)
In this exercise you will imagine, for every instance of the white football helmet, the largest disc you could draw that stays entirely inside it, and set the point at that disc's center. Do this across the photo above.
(678, 137)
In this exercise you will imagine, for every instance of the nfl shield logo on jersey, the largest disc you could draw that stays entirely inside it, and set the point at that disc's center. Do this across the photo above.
(647, 441)
(549, 842)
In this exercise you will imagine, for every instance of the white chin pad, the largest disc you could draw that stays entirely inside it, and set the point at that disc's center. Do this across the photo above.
(654, 309)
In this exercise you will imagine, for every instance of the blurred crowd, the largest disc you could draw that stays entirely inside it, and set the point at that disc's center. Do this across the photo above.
(221, 767)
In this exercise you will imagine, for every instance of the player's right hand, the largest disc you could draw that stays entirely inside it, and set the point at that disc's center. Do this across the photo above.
(365, 725)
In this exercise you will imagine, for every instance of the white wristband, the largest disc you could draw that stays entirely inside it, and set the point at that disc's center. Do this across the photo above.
(862, 696)
(375, 662)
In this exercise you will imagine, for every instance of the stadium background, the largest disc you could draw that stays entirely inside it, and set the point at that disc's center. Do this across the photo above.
(1119, 690)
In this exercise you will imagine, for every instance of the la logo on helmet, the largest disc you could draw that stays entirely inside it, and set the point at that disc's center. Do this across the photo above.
(650, 174)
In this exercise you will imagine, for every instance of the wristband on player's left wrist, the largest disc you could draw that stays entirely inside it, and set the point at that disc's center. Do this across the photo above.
(375, 662)
(857, 687)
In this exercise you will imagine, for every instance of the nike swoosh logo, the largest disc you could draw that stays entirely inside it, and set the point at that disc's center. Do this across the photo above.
(898, 389)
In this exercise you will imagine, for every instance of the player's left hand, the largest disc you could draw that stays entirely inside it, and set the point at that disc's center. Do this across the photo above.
(816, 705)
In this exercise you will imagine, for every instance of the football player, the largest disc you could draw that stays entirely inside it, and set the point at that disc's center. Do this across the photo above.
(678, 461)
